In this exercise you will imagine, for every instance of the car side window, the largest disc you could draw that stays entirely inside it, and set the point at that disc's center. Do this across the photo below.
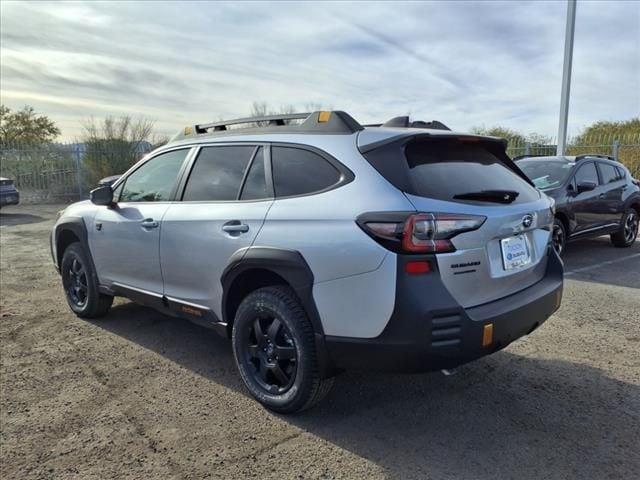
(587, 173)
(609, 173)
(155, 180)
(299, 172)
(621, 175)
(218, 172)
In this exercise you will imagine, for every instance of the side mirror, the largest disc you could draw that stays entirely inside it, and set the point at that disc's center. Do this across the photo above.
(102, 195)
(108, 180)
(586, 186)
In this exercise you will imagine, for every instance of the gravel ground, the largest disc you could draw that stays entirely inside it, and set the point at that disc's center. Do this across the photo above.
(142, 395)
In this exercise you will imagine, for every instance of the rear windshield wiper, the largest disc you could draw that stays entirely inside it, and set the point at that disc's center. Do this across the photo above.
(497, 196)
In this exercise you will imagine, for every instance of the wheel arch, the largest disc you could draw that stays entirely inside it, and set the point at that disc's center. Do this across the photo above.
(564, 218)
(67, 231)
(257, 267)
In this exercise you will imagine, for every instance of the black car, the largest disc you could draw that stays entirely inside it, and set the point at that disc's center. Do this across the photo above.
(8, 193)
(594, 194)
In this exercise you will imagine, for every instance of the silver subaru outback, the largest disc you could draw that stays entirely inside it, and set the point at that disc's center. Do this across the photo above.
(317, 244)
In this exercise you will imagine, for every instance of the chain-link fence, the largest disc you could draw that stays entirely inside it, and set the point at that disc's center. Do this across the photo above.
(624, 148)
(61, 173)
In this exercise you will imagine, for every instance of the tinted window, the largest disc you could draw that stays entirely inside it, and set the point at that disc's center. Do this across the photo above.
(621, 175)
(609, 173)
(154, 181)
(587, 173)
(546, 174)
(446, 170)
(297, 172)
(255, 185)
(217, 173)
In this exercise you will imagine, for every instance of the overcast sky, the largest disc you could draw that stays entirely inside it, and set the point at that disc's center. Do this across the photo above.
(465, 64)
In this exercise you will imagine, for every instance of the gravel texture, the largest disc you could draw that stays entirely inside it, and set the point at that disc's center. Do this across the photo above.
(141, 395)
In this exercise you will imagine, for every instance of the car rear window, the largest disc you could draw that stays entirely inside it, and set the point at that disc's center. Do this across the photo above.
(449, 170)
(4, 182)
(610, 174)
(300, 172)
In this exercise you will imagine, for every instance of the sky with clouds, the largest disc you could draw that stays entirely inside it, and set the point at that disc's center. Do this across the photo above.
(464, 63)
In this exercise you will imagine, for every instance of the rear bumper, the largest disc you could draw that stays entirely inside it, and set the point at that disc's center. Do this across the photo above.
(429, 330)
(9, 198)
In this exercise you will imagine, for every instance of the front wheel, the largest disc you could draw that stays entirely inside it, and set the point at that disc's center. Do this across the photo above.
(628, 231)
(559, 237)
(274, 348)
(81, 284)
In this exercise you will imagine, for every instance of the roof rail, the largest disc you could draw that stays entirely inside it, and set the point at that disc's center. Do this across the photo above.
(273, 120)
(327, 122)
(592, 155)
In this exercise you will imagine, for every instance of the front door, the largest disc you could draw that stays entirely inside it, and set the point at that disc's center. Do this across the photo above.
(125, 239)
(225, 202)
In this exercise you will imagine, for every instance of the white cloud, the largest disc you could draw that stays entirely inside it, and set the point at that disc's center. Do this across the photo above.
(464, 63)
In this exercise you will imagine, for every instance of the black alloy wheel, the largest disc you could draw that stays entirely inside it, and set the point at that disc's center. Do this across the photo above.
(80, 284)
(275, 350)
(76, 283)
(272, 354)
(559, 237)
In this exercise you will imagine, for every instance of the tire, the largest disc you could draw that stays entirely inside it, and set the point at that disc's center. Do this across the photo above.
(80, 284)
(628, 231)
(559, 236)
(274, 348)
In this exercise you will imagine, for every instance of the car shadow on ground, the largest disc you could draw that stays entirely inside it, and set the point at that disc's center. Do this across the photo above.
(596, 260)
(13, 219)
(504, 416)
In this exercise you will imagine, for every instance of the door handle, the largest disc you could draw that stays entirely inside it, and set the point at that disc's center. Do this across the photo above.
(149, 223)
(602, 195)
(235, 226)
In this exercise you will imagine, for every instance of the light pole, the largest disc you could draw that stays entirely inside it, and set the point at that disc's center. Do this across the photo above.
(566, 77)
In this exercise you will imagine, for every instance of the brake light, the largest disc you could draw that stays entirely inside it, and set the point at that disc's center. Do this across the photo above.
(431, 232)
(419, 232)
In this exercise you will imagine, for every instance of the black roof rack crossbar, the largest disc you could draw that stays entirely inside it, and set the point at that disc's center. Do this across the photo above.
(592, 155)
(272, 120)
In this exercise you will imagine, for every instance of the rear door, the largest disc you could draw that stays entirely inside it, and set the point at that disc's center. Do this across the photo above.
(588, 207)
(473, 177)
(612, 194)
(225, 201)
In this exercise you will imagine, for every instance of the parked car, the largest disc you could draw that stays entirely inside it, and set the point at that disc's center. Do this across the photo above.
(594, 195)
(8, 193)
(321, 246)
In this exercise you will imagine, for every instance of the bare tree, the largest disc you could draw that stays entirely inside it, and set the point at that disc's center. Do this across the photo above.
(114, 144)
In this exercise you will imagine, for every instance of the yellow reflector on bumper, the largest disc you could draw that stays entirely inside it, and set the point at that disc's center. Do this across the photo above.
(487, 335)
(324, 117)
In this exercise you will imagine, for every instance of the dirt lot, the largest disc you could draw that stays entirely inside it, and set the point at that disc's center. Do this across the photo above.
(141, 395)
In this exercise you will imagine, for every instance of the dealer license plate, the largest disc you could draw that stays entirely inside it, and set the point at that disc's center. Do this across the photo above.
(515, 252)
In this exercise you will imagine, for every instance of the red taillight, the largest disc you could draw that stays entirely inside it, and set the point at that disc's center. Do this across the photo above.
(418, 232)
(416, 268)
(431, 232)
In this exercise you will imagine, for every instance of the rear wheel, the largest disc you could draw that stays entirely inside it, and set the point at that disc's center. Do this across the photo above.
(81, 284)
(628, 230)
(274, 349)
(559, 236)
